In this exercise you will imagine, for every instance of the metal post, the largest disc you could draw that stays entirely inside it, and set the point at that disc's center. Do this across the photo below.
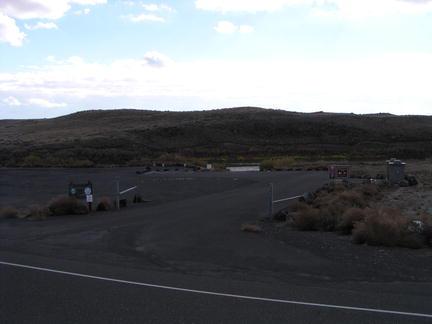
(271, 201)
(118, 194)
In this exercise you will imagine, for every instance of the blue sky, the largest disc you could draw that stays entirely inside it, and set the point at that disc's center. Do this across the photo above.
(361, 56)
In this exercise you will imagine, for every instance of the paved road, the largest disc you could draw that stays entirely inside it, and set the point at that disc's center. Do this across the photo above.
(191, 241)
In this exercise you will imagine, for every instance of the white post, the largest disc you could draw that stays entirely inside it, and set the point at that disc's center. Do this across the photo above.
(118, 194)
(271, 201)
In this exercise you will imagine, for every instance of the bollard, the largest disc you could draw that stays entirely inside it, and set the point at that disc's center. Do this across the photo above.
(271, 201)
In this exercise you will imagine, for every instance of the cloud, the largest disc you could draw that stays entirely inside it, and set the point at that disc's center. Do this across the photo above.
(245, 5)
(346, 9)
(12, 101)
(246, 29)
(34, 9)
(396, 83)
(157, 59)
(12, 10)
(84, 11)
(88, 2)
(41, 9)
(145, 17)
(40, 102)
(9, 31)
(156, 7)
(227, 27)
(41, 25)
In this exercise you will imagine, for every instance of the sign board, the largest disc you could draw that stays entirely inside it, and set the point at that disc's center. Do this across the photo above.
(339, 171)
(89, 198)
(80, 190)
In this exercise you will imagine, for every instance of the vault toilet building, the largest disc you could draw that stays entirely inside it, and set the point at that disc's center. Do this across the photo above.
(395, 171)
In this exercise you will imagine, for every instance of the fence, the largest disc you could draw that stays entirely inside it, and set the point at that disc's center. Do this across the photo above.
(272, 202)
(122, 192)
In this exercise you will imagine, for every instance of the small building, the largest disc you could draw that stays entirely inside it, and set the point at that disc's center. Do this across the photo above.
(247, 167)
(395, 171)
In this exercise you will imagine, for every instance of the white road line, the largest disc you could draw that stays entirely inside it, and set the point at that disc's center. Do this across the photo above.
(203, 292)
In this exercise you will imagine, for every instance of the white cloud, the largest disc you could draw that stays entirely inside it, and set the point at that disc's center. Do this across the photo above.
(347, 9)
(227, 27)
(245, 5)
(396, 83)
(40, 102)
(41, 9)
(157, 59)
(41, 25)
(12, 101)
(156, 7)
(145, 17)
(88, 2)
(246, 29)
(9, 31)
(33, 9)
(84, 11)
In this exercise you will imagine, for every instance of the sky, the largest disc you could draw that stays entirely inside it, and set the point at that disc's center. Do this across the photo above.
(353, 56)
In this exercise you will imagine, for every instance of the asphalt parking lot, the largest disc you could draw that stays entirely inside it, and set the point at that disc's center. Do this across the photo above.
(187, 237)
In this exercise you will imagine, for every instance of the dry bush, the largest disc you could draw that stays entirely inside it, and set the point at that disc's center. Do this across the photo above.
(251, 228)
(388, 227)
(307, 219)
(349, 218)
(328, 218)
(64, 205)
(427, 230)
(105, 204)
(353, 198)
(359, 233)
(8, 212)
(369, 190)
(38, 213)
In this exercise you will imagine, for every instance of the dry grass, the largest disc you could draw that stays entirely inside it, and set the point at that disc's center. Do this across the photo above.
(104, 204)
(278, 163)
(251, 228)
(354, 198)
(38, 212)
(387, 227)
(8, 212)
(349, 218)
(307, 218)
(329, 209)
(64, 205)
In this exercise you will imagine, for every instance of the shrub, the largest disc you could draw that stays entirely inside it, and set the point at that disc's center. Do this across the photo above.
(104, 204)
(251, 228)
(369, 190)
(386, 227)
(353, 198)
(348, 219)
(359, 233)
(8, 212)
(64, 205)
(427, 230)
(38, 213)
(307, 219)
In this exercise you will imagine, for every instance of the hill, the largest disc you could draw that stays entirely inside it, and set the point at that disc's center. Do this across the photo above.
(128, 137)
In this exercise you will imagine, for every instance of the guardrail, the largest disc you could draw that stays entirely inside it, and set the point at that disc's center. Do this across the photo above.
(272, 202)
(119, 193)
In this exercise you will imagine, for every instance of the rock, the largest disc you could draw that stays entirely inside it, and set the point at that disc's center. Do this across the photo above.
(280, 216)
(416, 226)
(412, 180)
(403, 183)
(251, 228)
